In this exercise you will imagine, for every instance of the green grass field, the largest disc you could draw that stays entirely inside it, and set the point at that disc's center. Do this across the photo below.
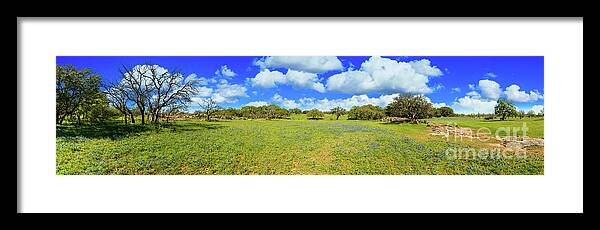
(280, 147)
(535, 126)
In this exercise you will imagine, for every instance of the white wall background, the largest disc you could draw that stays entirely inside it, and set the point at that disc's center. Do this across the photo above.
(560, 189)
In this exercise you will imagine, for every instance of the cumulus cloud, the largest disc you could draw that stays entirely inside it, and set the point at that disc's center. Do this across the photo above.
(204, 91)
(435, 105)
(490, 89)
(223, 93)
(471, 105)
(455, 90)
(326, 104)
(225, 71)
(513, 93)
(310, 64)
(257, 103)
(297, 79)
(287, 103)
(424, 67)
(490, 75)
(379, 74)
(537, 108)
(474, 94)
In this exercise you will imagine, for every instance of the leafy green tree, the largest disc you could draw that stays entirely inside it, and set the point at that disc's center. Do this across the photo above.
(366, 112)
(315, 114)
(77, 90)
(444, 111)
(504, 109)
(273, 112)
(338, 111)
(295, 111)
(411, 107)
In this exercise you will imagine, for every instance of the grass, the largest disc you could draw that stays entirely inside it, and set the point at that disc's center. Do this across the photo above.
(293, 146)
(535, 126)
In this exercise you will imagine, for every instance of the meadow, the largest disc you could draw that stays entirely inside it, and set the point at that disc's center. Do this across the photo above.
(295, 146)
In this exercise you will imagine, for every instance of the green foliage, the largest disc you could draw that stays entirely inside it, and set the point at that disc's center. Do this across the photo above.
(315, 114)
(504, 109)
(265, 112)
(366, 112)
(77, 94)
(443, 111)
(411, 107)
(337, 112)
(295, 111)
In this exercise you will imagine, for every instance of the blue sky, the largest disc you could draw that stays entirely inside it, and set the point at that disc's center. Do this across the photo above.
(468, 84)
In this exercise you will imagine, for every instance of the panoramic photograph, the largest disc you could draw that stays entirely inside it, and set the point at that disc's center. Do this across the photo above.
(299, 115)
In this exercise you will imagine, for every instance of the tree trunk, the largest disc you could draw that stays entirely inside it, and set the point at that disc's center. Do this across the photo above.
(143, 115)
(125, 117)
(132, 118)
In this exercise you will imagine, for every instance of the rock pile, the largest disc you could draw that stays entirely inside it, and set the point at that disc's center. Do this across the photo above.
(446, 130)
(517, 143)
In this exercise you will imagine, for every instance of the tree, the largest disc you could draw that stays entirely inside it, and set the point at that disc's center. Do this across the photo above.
(366, 112)
(152, 88)
(137, 86)
(251, 112)
(77, 91)
(295, 111)
(116, 95)
(338, 111)
(209, 106)
(411, 107)
(315, 114)
(444, 111)
(520, 114)
(504, 109)
(531, 113)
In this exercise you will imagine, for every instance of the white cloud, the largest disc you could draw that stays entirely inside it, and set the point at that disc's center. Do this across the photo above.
(327, 104)
(490, 75)
(473, 103)
(470, 105)
(385, 75)
(225, 71)
(471, 86)
(300, 80)
(435, 105)
(455, 90)
(474, 94)
(287, 103)
(267, 79)
(257, 103)
(424, 67)
(311, 64)
(297, 79)
(229, 93)
(204, 91)
(537, 108)
(224, 93)
(513, 94)
(490, 89)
